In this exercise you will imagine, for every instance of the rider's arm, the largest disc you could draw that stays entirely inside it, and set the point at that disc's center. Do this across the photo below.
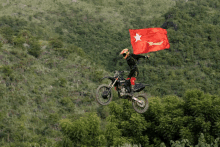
(139, 56)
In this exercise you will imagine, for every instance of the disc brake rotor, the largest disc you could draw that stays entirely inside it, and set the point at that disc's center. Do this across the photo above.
(140, 104)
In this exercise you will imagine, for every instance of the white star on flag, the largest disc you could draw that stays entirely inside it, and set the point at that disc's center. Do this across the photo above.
(137, 37)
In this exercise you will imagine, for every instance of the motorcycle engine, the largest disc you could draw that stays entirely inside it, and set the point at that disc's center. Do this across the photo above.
(123, 91)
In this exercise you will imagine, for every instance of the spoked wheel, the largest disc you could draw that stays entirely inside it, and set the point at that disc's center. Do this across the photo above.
(141, 107)
(103, 95)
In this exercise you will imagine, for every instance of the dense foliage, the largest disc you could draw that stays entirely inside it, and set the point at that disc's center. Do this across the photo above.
(193, 120)
(169, 118)
(53, 53)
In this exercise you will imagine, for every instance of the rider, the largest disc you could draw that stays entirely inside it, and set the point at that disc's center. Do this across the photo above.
(132, 60)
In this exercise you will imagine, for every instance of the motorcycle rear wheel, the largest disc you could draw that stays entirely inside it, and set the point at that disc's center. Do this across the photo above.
(141, 108)
(101, 98)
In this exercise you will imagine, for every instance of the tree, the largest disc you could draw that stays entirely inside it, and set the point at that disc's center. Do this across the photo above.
(85, 131)
(130, 126)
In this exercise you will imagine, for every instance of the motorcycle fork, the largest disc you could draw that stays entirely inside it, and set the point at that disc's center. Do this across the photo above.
(112, 84)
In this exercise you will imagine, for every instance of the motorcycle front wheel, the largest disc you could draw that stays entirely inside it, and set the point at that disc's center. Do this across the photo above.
(141, 107)
(103, 95)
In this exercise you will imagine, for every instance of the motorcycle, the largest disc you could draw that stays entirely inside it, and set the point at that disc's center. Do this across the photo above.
(104, 92)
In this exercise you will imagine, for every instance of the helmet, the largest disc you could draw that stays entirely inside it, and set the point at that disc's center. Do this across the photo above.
(125, 53)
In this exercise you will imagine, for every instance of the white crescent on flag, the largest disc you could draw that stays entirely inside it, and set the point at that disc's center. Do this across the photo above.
(157, 43)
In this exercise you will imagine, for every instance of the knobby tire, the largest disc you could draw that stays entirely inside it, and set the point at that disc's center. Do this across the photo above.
(98, 97)
(145, 108)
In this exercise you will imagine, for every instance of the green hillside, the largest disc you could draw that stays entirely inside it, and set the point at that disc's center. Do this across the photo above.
(37, 92)
(53, 54)
(100, 28)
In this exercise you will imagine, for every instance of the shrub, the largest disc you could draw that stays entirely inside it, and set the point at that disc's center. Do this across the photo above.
(13, 22)
(25, 34)
(65, 101)
(103, 112)
(1, 44)
(56, 43)
(96, 75)
(6, 70)
(19, 41)
(77, 50)
(34, 49)
(59, 30)
(64, 142)
(53, 118)
(60, 82)
(68, 104)
(2, 90)
(63, 51)
(7, 33)
(30, 17)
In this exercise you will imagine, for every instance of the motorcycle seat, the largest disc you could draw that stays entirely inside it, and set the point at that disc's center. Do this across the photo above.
(138, 87)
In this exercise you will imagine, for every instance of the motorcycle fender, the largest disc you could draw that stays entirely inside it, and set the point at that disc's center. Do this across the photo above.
(112, 80)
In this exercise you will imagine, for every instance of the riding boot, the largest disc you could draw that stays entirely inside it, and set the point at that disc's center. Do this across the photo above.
(132, 89)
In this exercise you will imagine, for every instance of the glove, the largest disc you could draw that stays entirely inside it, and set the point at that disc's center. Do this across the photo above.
(147, 56)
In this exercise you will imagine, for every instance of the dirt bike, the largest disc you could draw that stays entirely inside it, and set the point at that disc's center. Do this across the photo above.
(104, 92)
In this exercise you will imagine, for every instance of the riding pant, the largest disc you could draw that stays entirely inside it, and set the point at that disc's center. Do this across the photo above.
(132, 75)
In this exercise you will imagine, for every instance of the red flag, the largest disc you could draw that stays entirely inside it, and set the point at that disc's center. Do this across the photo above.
(148, 40)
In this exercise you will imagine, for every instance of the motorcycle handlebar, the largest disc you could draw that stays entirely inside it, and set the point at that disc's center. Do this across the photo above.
(121, 71)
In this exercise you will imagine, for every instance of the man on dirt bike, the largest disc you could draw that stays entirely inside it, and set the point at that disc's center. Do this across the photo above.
(132, 60)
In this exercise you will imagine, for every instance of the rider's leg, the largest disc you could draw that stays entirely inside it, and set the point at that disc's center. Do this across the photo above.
(132, 84)
(133, 78)
(128, 81)
(132, 75)
(129, 78)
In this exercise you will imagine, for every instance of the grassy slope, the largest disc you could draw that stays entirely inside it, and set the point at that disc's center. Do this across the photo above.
(101, 29)
(37, 96)
(115, 16)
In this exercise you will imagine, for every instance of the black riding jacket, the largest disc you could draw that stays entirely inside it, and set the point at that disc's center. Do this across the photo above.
(132, 60)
